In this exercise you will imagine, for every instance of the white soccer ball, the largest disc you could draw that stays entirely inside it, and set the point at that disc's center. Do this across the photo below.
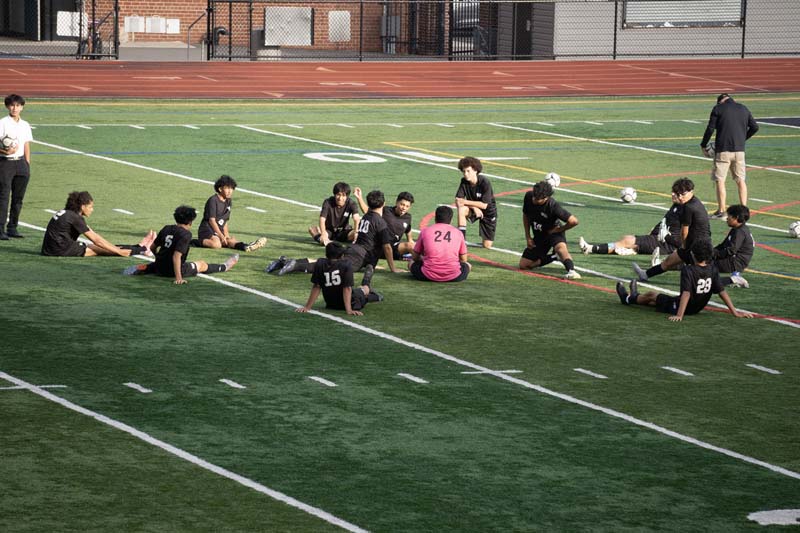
(794, 229)
(628, 194)
(711, 149)
(553, 179)
(8, 142)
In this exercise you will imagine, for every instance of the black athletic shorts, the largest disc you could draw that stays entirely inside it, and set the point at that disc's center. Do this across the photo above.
(686, 256)
(647, 243)
(544, 246)
(358, 300)
(486, 228)
(667, 304)
(188, 270)
(416, 271)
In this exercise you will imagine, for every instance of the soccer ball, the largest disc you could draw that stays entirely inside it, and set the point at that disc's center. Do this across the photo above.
(628, 194)
(711, 149)
(553, 179)
(8, 142)
(794, 229)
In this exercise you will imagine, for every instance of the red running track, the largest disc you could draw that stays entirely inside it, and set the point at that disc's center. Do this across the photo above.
(456, 79)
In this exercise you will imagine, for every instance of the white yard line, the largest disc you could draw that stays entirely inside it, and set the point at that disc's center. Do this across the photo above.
(590, 373)
(186, 456)
(324, 381)
(677, 371)
(137, 387)
(123, 211)
(763, 369)
(256, 209)
(411, 377)
(232, 383)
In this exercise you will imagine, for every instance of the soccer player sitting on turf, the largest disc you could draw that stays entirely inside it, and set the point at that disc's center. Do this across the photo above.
(699, 279)
(440, 253)
(63, 230)
(397, 218)
(475, 200)
(334, 217)
(213, 230)
(694, 226)
(735, 252)
(542, 216)
(333, 277)
(171, 248)
(373, 241)
(663, 239)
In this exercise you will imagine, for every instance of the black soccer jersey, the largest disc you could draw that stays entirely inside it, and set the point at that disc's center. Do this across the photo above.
(333, 277)
(695, 216)
(545, 217)
(219, 210)
(62, 232)
(171, 239)
(481, 192)
(398, 225)
(700, 282)
(337, 218)
(738, 246)
(372, 234)
(673, 218)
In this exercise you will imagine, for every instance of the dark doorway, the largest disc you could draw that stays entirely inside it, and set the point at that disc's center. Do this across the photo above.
(523, 26)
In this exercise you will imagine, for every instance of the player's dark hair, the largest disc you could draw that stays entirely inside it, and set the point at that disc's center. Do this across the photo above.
(682, 185)
(375, 199)
(224, 181)
(185, 214)
(444, 215)
(702, 249)
(76, 199)
(542, 189)
(405, 195)
(334, 250)
(469, 161)
(740, 212)
(341, 187)
(14, 99)
(722, 97)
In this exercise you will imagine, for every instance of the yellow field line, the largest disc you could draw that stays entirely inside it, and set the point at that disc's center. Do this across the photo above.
(782, 276)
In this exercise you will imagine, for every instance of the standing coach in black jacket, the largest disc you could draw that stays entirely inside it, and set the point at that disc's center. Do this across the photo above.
(734, 125)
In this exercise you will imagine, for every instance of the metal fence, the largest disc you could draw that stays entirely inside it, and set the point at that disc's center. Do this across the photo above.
(364, 30)
(81, 29)
(474, 30)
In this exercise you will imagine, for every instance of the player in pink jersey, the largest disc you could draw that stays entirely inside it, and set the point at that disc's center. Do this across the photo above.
(440, 253)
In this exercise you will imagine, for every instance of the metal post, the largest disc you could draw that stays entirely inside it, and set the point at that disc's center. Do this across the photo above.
(361, 30)
(616, 23)
(209, 37)
(744, 25)
(251, 50)
(230, 32)
(116, 29)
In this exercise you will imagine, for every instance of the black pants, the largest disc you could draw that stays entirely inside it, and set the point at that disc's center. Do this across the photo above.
(14, 178)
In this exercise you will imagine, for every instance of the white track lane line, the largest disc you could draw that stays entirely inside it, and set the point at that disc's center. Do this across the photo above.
(186, 456)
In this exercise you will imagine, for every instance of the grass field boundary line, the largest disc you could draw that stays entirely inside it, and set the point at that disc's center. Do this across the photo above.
(168, 173)
(186, 456)
(526, 384)
(623, 145)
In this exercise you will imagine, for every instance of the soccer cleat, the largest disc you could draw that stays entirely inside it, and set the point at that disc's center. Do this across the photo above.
(231, 261)
(369, 270)
(738, 281)
(14, 234)
(655, 258)
(717, 214)
(622, 293)
(663, 230)
(287, 267)
(256, 244)
(571, 274)
(374, 296)
(639, 272)
(276, 265)
(3, 236)
(586, 248)
(133, 270)
(634, 291)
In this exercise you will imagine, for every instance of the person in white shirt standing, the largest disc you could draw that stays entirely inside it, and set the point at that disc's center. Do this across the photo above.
(15, 165)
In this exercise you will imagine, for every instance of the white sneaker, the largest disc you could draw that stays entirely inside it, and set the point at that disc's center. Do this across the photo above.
(256, 244)
(656, 257)
(642, 275)
(572, 275)
(663, 230)
(739, 281)
(586, 248)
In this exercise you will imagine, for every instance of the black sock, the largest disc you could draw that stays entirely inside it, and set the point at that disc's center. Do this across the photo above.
(655, 271)
(134, 248)
(568, 264)
(548, 259)
(216, 267)
(240, 246)
(316, 237)
(196, 243)
(600, 248)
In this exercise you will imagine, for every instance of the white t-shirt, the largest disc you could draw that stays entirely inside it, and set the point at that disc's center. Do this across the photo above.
(20, 130)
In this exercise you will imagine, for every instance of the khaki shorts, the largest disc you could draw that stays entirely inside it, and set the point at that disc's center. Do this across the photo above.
(728, 160)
